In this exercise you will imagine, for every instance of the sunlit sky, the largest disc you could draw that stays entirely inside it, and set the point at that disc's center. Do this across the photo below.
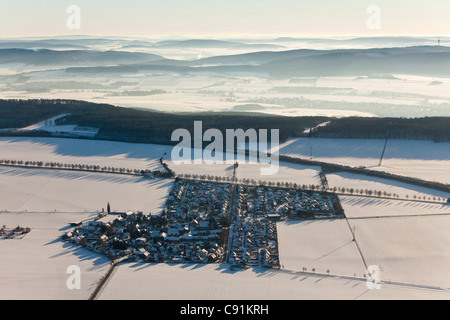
(224, 18)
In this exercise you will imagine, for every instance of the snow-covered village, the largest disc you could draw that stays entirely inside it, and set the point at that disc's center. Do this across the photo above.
(233, 151)
(145, 218)
(204, 222)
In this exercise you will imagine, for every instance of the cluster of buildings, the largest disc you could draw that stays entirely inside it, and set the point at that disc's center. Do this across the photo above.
(253, 236)
(200, 200)
(205, 222)
(192, 228)
(254, 244)
(13, 233)
(276, 203)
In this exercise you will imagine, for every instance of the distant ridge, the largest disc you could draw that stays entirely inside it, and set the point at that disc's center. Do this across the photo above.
(423, 60)
(73, 57)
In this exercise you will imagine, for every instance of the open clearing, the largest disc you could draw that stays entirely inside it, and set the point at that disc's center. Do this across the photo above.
(43, 190)
(287, 172)
(408, 249)
(411, 248)
(215, 281)
(89, 152)
(419, 159)
(35, 267)
(363, 207)
(404, 190)
(319, 244)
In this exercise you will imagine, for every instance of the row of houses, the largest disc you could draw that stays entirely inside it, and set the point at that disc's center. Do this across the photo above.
(138, 237)
(13, 233)
(278, 203)
(254, 233)
(190, 228)
(200, 200)
(199, 220)
(254, 244)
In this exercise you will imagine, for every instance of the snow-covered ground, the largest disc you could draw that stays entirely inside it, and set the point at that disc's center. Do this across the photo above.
(197, 91)
(140, 156)
(287, 172)
(414, 250)
(35, 267)
(50, 125)
(41, 190)
(90, 152)
(220, 170)
(363, 207)
(358, 181)
(429, 170)
(410, 250)
(421, 159)
(213, 281)
(325, 245)
(45, 125)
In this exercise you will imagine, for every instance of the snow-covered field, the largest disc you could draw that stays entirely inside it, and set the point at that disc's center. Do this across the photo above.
(140, 156)
(413, 250)
(421, 159)
(429, 170)
(213, 281)
(363, 207)
(287, 172)
(50, 125)
(325, 245)
(410, 250)
(358, 181)
(90, 152)
(198, 91)
(220, 170)
(41, 190)
(35, 267)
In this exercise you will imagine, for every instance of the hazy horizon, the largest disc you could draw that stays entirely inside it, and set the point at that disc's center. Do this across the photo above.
(206, 19)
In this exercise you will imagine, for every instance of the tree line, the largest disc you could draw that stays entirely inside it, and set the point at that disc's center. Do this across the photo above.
(87, 167)
(147, 126)
(436, 129)
(311, 187)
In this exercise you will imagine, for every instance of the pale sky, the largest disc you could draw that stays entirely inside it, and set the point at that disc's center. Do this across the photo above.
(213, 18)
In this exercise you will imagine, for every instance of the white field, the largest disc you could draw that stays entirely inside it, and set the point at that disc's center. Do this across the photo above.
(322, 245)
(196, 91)
(42, 190)
(361, 207)
(358, 181)
(35, 267)
(212, 281)
(50, 126)
(412, 250)
(407, 160)
(91, 152)
(425, 170)
(141, 156)
(420, 159)
(220, 170)
(287, 172)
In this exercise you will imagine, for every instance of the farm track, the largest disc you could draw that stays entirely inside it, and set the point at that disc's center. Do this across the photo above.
(362, 279)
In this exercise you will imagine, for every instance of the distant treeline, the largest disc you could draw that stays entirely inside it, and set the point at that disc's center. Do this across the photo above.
(436, 129)
(143, 126)
(334, 167)
(146, 126)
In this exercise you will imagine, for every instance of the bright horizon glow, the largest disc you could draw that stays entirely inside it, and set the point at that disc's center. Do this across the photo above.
(224, 19)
